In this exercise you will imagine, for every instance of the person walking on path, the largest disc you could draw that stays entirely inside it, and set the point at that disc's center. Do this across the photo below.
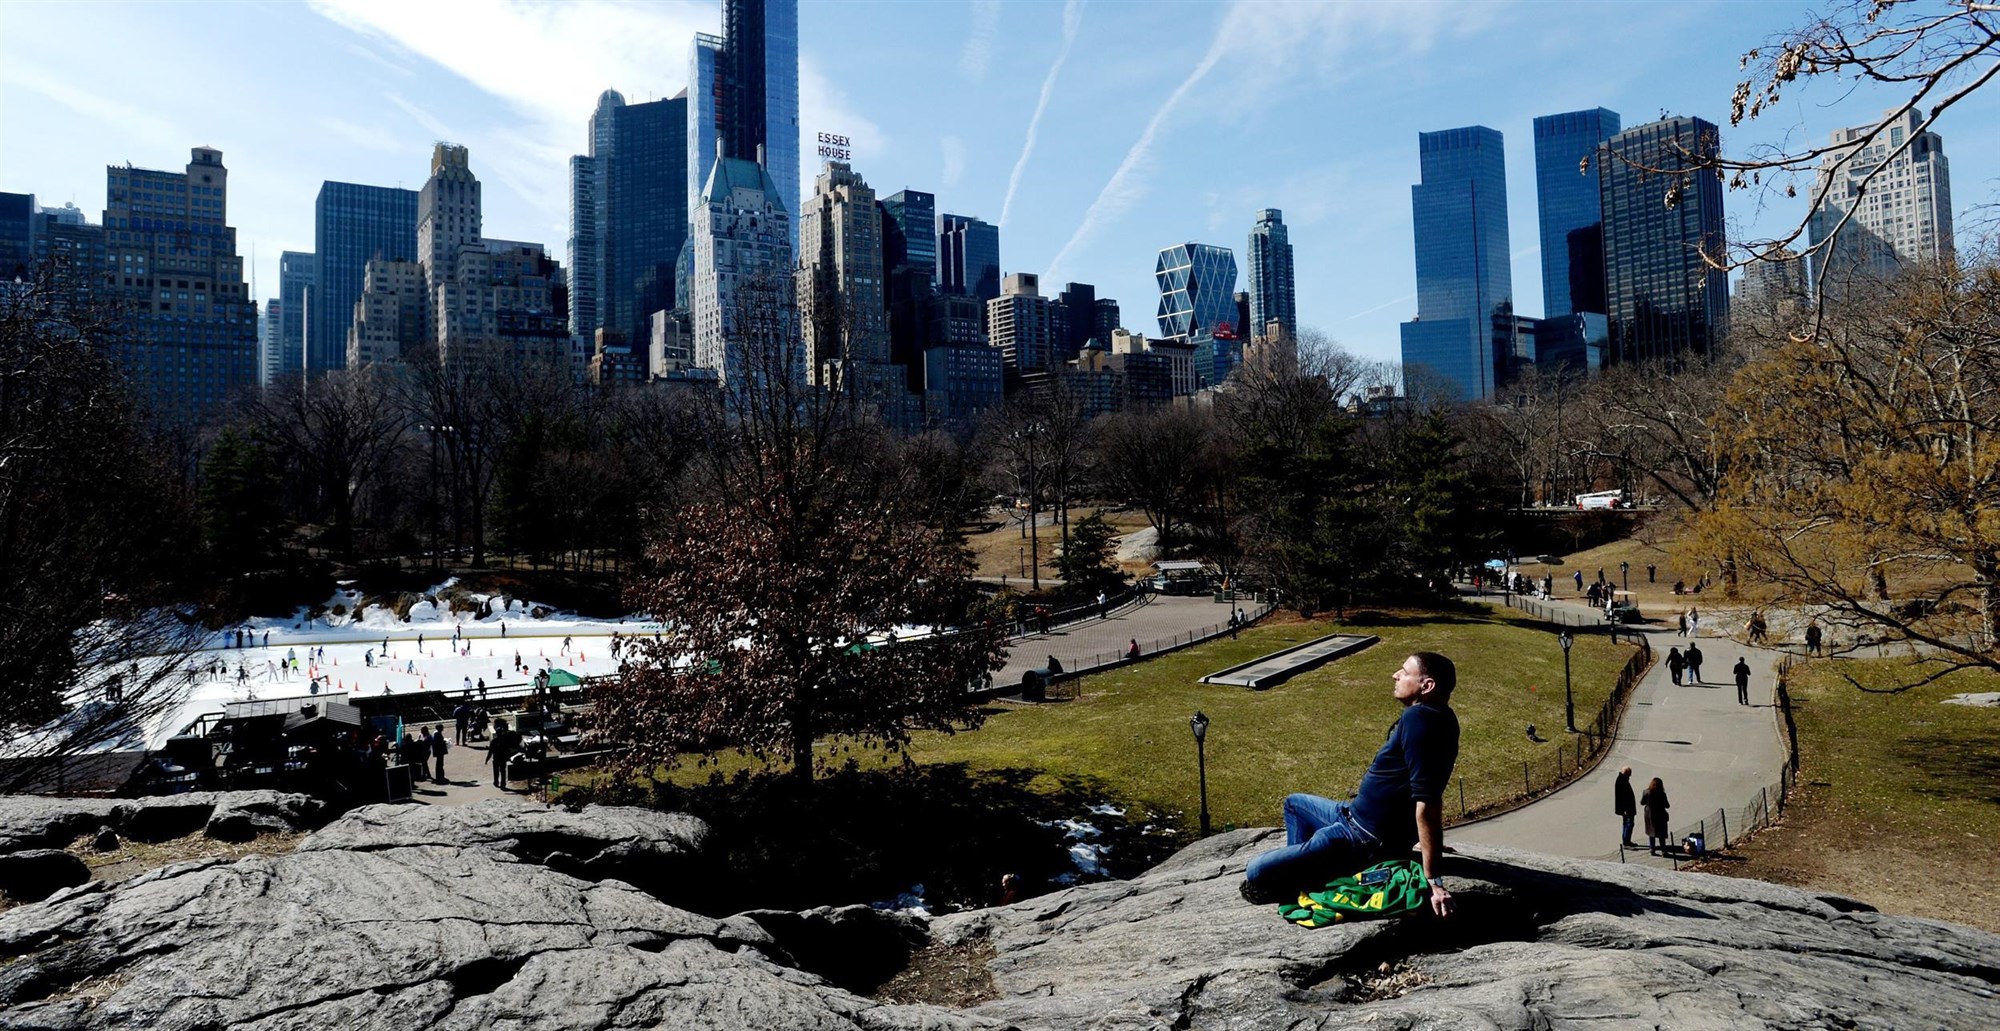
(1658, 834)
(1623, 805)
(1676, 663)
(1103, 610)
(1694, 622)
(438, 749)
(1694, 662)
(1812, 639)
(1742, 671)
(498, 749)
(461, 719)
(1579, 581)
(1681, 623)
(1399, 802)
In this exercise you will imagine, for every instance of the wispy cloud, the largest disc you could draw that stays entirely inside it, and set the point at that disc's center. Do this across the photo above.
(547, 61)
(977, 55)
(1128, 183)
(1390, 303)
(367, 137)
(1072, 19)
(952, 150)
(1273, 46)
(156, 132)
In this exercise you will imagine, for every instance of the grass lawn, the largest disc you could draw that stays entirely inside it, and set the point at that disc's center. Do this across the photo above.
(1317, 732)
(1003, 551)
(1900, 797)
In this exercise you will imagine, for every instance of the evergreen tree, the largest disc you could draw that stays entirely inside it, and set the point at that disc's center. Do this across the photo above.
(242, 519)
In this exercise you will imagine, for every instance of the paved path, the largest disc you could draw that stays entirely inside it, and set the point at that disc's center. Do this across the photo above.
(1710, 753)
(1156, 625)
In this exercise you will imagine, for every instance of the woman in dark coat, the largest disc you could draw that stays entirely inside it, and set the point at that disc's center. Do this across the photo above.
(1676, 662)
(1654, 802)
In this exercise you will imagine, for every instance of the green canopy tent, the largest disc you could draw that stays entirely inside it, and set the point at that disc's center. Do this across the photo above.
(559, 678)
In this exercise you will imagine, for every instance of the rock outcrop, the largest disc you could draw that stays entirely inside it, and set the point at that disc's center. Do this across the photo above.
(34, 821)
(415, 917)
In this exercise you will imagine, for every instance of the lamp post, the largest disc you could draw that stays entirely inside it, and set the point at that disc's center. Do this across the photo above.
(1569, 699)
(1625, 575)
(1199, 724)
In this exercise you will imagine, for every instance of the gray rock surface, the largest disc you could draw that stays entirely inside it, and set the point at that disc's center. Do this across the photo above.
(35, 821)
(402, 932)
(661, 853)
(1538, 942)
(376, 923)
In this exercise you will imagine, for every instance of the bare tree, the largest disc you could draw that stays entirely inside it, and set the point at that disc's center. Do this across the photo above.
(340, 430)
(805, 541)
(92, 525)
(1870, 455)
(1932, 56)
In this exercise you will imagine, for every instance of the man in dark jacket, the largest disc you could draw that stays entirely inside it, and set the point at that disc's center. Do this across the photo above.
(438, 749)
(1399, 803)
(1742, 671)
(500, 748)
(1694, 663)
(1624, 805)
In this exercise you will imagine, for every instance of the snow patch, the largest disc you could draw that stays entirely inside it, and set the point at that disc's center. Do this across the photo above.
(911, 901)
(1979, 699)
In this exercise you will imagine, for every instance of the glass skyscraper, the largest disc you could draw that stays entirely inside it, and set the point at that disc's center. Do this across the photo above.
(352, 224)
(298, 274)
(760, 100)
(968, 251)
(1568, 207)
(909, 224)
(1665, 300)
(1464, 277)
(704, 130)
(1198, 304)
(1197, 288)
(588, 200)
(646, 215)
(1273, 297)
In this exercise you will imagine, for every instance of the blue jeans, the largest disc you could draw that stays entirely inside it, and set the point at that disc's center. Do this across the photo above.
(1323, 840)
(1627, 839)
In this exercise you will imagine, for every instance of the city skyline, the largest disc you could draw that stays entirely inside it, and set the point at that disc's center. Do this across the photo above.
(1072, 124)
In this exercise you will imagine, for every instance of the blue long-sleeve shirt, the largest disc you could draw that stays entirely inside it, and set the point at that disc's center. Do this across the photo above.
(1413, 766)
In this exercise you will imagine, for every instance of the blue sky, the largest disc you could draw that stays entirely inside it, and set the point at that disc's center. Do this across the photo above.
(1101, 131)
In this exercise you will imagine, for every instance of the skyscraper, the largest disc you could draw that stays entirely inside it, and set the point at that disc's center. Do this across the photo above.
(743, 304)
(1020, 324)
(298, 275)
(17, 234)
(1198, 304)
(353, 225)
(270, 343)
(1569, 208)
(646, 216)
(1273, 298)
(704, 132)
(1076, 319)
(487, 303)
(909, 261)
(841, 305)
(759, 102)
(1903, 217)
(968, 252)
(1464, 277)
(171, 255)
(588, 196)
(1665, 300)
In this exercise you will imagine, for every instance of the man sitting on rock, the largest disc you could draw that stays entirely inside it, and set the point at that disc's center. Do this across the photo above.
(1399, 801)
